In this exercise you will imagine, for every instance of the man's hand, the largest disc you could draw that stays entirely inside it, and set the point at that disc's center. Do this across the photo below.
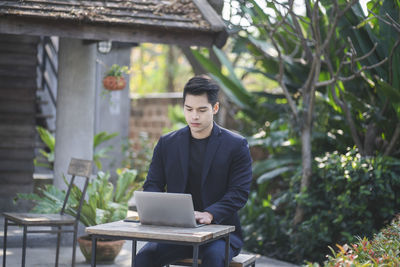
(203, 217)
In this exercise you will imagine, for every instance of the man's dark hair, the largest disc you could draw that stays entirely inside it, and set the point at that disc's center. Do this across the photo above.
(199, 85)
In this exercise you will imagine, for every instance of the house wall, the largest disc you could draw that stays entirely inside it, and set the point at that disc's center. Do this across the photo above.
(112, 107)
(17, 117)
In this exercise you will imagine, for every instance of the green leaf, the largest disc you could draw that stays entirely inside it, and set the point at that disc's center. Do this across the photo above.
(46, 137)
(236, 93)
(275, 173)
(123, 191)
(390, 92)
(102, 137)
(225, 61)
(261, 167)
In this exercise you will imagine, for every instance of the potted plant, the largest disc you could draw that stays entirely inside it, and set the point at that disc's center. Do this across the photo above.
(113, 79)
(103, 204)
(49, 140)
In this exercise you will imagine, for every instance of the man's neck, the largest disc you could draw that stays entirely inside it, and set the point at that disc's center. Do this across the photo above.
(202, 135)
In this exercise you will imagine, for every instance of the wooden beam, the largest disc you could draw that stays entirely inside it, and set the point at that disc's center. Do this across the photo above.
(121, 33)
(217, 24)
(210, 15)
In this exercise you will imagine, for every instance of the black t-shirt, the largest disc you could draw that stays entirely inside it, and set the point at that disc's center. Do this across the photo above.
(197, 150)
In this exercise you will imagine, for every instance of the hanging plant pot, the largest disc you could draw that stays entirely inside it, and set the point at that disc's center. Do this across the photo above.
(114, 83)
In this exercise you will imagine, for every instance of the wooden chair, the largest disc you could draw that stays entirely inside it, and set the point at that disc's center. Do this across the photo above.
(241, 260)
(77, 167)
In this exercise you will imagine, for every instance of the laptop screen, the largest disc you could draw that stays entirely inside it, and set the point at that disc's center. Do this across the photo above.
(167, 209)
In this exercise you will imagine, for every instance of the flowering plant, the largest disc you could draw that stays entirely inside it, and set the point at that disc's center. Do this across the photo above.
(382, 250)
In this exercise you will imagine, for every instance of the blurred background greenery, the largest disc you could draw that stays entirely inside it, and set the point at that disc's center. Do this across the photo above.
(315, 88)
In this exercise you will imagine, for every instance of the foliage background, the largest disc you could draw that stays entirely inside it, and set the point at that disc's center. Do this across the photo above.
(354, 183)
(354, 188)
(158, 68)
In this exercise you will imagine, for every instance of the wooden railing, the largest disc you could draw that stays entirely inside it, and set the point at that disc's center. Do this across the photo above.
(47, 79)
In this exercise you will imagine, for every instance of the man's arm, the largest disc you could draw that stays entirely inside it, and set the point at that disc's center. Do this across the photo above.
(239, 185)
(155, 180)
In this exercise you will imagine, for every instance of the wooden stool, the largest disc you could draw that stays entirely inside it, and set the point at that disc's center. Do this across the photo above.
(241, 260)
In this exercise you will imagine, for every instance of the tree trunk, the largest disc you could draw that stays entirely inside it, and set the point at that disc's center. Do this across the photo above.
(196, 66)
(370, 139)
(306, 156)
(170, 69)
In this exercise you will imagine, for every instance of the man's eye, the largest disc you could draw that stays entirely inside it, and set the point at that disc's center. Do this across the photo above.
(203, 110)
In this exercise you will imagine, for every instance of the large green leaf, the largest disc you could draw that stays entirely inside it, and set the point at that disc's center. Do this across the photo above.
(235, 93)
(274, 173)
(269, 62)
(46, 137)
(102, 137)
(390, 92)
(263, 166)
(124, 190)
(226, 63)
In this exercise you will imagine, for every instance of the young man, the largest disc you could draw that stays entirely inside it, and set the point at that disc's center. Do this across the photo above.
(208, 162)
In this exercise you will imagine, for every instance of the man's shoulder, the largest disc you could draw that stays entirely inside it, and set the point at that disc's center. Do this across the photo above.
(175, 134)
(232, 135)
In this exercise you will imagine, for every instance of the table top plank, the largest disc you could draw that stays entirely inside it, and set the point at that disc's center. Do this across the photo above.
(152, 232)
(39, 219)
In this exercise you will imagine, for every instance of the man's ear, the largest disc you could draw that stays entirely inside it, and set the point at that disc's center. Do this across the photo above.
(216, 108)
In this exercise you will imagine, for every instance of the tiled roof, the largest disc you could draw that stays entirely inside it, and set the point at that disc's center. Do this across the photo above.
(112, 19)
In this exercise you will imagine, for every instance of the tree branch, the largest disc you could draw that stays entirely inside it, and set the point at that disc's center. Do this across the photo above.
(345, 108)
(351, 77)
(393, 140)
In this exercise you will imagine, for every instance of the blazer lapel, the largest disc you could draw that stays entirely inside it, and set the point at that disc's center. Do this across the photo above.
(212, 147)
(184, 154)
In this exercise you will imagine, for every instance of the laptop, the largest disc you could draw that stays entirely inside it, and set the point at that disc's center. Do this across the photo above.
(167, 209)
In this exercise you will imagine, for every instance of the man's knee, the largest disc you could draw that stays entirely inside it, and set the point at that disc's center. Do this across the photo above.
(214, 254)
(213, 258)
(146, 255)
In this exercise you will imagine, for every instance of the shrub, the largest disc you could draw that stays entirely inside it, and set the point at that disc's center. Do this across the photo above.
(382, 250)
(349, 196)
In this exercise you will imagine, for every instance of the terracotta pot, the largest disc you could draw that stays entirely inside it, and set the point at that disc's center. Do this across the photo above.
(114, 83)
(106, 252)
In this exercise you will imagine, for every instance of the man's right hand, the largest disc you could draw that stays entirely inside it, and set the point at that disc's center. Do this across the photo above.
(203, 217)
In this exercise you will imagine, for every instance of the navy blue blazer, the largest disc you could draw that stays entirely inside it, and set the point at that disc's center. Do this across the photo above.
(226, 175)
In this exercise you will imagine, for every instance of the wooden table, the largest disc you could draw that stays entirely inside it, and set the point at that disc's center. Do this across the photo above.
(164, 234)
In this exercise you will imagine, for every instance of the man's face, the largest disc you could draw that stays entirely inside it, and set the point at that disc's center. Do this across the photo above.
(199, 115)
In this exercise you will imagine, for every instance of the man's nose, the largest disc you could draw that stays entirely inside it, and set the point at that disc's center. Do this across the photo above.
(195, 115)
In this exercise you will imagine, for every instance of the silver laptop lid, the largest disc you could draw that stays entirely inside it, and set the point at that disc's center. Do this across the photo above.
(168, 209)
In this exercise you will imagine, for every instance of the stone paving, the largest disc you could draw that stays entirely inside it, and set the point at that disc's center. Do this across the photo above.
(45, 257)
(43, 253)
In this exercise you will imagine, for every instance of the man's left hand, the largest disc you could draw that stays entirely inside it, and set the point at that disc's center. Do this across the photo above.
(203, 217)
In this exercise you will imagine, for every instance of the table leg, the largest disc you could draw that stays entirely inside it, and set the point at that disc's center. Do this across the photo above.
(94, 245)
(227, 250)
(5, 241)
(24, 246)
(134, 243)
(195, 255)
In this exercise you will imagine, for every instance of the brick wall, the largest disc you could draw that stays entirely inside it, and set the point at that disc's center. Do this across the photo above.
(149, 114)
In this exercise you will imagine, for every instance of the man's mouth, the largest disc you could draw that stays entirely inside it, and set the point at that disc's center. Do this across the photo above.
(195, 124)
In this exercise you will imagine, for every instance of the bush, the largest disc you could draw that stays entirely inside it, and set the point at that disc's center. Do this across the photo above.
(349, 196)
(382, 250)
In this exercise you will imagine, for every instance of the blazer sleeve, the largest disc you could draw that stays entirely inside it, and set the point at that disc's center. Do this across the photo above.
(155, 180)
(238, 187)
